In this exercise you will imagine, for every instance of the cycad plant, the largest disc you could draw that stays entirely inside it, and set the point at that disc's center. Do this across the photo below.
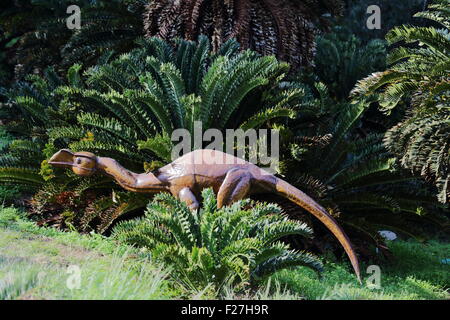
(234, 246)
(7, 193)
(351, 173)
(342, 59)
(35, 33)
(419, 72)
(31, 108)
(285, 29)
(139, 99)
(128, 108)
(109, 28)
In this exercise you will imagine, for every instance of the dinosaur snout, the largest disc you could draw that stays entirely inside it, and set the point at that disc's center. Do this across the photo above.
(82, 163)
(63, 158)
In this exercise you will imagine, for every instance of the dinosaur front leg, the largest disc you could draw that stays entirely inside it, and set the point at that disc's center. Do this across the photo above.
(235, 187)
(185, 195)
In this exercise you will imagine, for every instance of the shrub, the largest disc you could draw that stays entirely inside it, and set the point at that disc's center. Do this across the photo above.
(352, 175)
(342, 59)
(127, 109)
(35, 35)
(419, 72)
(237, 245)
(8, 194)
(9, 215)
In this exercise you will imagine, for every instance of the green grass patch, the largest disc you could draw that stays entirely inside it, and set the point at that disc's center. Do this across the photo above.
(14, 219)
(416, 273)
(44, 263)
(36, 262)
(89, 277)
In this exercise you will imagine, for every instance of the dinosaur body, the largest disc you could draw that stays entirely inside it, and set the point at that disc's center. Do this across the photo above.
(232, 179)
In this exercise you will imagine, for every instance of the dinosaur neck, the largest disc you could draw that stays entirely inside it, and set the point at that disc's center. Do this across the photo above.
(128, 179)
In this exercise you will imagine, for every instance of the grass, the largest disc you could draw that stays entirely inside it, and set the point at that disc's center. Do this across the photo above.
(100, 278)
(416, 273)
(41, 263)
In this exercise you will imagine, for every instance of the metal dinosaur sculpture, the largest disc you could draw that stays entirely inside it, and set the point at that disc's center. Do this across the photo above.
(232, 179)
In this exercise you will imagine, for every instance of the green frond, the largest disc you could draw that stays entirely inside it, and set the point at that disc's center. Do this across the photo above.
(437, 12)
(160, 49)
(423, 145)
(436, 39)
(363, 170)
(273, 251)
(216, 246)
(198, 64)
(160, 145)
(153, 102)
(282, 228)
(33, 107)
(69, 132)
(289, 259)
(73, 76)
(21, 176)
(175, 89)
(264, 116)
(394, 93)
(138, 233)
(111, 125)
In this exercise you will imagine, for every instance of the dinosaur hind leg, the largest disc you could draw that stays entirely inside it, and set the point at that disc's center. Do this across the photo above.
(185, 195)
(235, 187)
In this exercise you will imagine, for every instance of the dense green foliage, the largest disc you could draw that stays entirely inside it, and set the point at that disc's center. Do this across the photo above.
(342, 59)
(217, 247)
(7, 193)
(35, 35)
(364, 128)
(128, 109)
(147, 94)
(419, 71)
(353, 175)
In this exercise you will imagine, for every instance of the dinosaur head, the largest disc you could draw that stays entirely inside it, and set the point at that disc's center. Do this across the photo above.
(82, 163)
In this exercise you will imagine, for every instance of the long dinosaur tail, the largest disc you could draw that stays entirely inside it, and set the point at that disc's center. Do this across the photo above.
(303, 200)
